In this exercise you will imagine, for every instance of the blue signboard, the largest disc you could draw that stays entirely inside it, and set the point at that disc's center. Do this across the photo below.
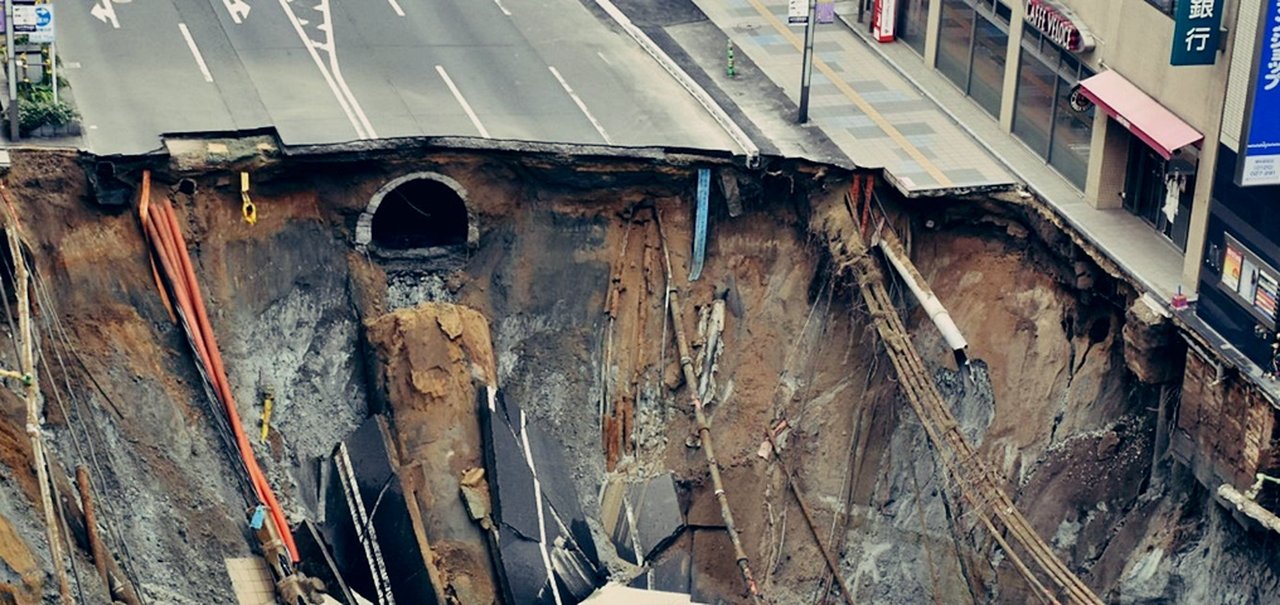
(1260, 156)
(43, 33)
(1196, 29)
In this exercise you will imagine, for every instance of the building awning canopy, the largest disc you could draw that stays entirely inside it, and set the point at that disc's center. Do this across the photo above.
(1142, 115)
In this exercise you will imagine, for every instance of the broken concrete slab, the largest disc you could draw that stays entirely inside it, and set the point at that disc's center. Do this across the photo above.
(646, 524)
(510, 476)
(641, 517)
(317, 561)
(475, 495)
(671, 569)
(369, 524)
(617, 594)
(613, 515)
(658, 519)
(546, 552)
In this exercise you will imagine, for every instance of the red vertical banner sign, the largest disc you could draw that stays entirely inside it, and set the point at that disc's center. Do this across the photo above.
(884, 19)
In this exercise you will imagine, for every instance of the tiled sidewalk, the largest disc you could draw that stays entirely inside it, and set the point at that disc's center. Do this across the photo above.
(884, 108)
(1133, 245)
(877, 117)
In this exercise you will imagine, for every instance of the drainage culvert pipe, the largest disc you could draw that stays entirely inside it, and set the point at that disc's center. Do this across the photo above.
(897, 256)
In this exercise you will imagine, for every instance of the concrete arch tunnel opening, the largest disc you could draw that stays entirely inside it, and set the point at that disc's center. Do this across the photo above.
(420, 213)
(417, 214)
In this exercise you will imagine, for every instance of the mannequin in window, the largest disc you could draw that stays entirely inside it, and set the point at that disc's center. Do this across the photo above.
(1174, 185)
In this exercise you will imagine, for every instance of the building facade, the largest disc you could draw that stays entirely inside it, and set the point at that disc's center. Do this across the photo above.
(1088, 86)
(1240, 280)
(1092, 88)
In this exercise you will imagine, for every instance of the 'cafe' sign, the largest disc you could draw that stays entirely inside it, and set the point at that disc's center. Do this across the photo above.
(1058, 24)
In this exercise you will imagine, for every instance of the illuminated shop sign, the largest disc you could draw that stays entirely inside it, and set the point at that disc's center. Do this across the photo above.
(1249, 280)
(1060, 25)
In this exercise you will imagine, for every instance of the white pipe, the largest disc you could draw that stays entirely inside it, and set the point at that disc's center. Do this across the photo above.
(893, 251)
(1250, 508)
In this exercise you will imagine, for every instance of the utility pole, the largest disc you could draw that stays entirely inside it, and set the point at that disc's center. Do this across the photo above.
(806, 70)
(13, 70)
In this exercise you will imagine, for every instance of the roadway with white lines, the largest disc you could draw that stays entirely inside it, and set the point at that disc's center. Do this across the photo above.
(334, 71)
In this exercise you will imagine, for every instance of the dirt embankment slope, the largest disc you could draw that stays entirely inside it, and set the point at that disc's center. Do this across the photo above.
(562, 249)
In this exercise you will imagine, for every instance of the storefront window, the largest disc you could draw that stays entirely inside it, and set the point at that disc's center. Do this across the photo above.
(1043, 117)
(972, 49)
(1033, 108)
(955, 41)
(1072, 132)
(915, 24)
(986, 82)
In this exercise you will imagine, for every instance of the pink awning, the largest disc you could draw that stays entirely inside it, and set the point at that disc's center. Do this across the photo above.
(1141, 114)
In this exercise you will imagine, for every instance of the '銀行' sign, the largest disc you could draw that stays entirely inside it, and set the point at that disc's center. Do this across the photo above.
(1058, 24)
(1195, 32)
(1260, 152)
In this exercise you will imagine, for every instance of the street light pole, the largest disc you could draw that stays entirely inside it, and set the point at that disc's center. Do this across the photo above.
(806, 71)
(12, 71)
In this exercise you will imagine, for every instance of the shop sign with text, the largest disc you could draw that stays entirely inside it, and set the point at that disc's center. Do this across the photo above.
(1196, 29)
(797, 12)
(1059, 25)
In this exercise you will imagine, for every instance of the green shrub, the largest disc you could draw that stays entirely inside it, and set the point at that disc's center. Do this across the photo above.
(37, 108)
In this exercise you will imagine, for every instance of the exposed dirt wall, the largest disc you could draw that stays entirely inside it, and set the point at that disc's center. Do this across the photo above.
(1072, 426)
(1226, 430)
(278, 295)
(567, 272)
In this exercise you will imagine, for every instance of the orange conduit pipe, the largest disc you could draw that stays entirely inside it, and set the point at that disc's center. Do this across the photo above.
(160, 223)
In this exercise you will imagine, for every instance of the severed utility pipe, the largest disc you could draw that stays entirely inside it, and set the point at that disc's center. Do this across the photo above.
(91, 525)
(704, 428)
(897, 256)
(1250, 508)
(160, 223)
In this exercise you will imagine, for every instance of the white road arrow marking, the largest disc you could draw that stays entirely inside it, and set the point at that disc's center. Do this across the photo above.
(239, 9)
(331, 46)
(395, 6)
(331, 72)
(105, 13)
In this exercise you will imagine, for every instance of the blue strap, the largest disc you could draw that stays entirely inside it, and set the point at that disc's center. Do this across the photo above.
(700, 225)
(259, 515)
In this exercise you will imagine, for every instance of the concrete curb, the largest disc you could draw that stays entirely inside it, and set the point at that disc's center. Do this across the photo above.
(735, 132)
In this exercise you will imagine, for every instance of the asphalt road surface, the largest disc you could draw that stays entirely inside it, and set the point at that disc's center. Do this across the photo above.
(331, 71)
